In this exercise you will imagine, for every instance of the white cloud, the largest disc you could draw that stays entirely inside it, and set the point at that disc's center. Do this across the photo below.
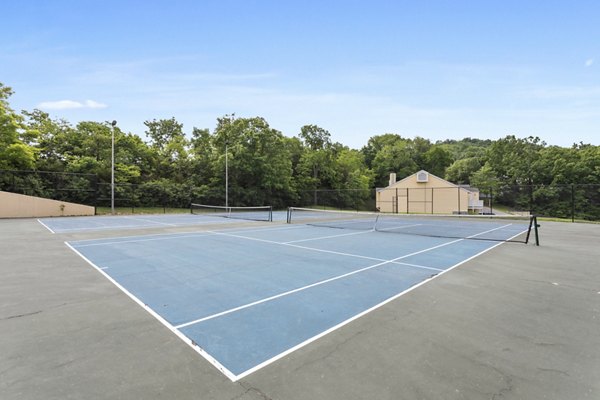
(70, 104)
(93, 104)
(589, 62)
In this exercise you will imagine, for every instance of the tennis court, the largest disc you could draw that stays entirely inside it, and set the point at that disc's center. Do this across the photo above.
(269, 310)
(199, 215)
(244, 298)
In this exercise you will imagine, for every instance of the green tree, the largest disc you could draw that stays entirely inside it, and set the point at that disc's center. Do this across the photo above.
(436, 159)
(52, 140)
(170, 145)
(15, 153)
(259, 165)
(315, 164)
(460, 171)
(395, 158)
(376, 144)
(514, 160)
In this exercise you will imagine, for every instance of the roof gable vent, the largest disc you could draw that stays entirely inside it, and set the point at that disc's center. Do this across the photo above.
(422, 176)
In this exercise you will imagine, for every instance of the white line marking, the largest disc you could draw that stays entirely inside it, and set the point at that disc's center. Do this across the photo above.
(199, 234)
(335, 278)
(329, 237)
(149, 220)
(234, 377)
(45, 226)
(179, 334)
(398, 227)
(419, 266)
(160, 236)
(357, 316)
(339, 253)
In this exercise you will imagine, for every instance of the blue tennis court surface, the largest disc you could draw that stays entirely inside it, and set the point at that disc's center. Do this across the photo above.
(95, 223)
(244, 298)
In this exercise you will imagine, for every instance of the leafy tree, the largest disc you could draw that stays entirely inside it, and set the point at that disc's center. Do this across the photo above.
(51, 141)
(170, 146)
(460, 171)
(418, 147)
(436, 159)
(15, 153)
(514, 160)
(394, 158)
(376, 144)
(315, 137)
(260, 169)
(315, 164)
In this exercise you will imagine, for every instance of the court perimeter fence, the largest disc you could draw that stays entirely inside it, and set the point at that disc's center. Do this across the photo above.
(566, 201)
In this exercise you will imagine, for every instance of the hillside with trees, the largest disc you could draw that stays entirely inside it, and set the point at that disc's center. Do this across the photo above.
(167, 165)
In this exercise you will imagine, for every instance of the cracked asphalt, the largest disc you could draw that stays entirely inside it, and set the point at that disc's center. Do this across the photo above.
(518, 322)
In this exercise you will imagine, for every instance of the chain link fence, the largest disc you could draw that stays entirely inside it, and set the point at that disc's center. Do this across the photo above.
(575, 202)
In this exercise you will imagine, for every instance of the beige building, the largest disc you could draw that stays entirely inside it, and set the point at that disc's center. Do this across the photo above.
(423, 192)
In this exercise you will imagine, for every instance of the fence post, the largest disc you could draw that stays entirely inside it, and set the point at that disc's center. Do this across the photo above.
(530, 199)
(96, 184)
(572, 202)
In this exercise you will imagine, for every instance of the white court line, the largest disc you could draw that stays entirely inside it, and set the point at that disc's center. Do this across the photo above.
(365, 312)
(139, 226)
(346, 234)
(199, 234)
(398, 227)
(163, 321)
(45, 226)
(215, 233)
(328, 237)
(101, 227)
(223, 369)
(160, 236)
(384, 262)
(335, 278)
(339, 253)
(163, 236)
(149, 220)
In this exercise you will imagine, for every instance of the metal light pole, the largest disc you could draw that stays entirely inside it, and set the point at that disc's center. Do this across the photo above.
(226, 179)
(112, 168)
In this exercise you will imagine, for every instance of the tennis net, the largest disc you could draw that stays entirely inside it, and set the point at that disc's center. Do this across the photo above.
(502, 228)
(254, 213)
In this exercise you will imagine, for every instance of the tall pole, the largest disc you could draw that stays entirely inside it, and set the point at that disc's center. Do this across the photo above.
(112, 168)
(226, 179)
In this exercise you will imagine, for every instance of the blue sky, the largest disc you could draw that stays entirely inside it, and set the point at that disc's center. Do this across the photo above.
(435, 69)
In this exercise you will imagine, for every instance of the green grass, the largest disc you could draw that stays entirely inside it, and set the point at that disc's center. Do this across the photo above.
(142, 210)
(554, 219)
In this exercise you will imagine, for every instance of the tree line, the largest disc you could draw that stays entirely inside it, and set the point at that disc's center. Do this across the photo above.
(267, 167)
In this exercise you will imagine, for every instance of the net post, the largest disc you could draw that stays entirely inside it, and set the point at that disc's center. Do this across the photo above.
(533, 224)
(289, 215)
(270, 213)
